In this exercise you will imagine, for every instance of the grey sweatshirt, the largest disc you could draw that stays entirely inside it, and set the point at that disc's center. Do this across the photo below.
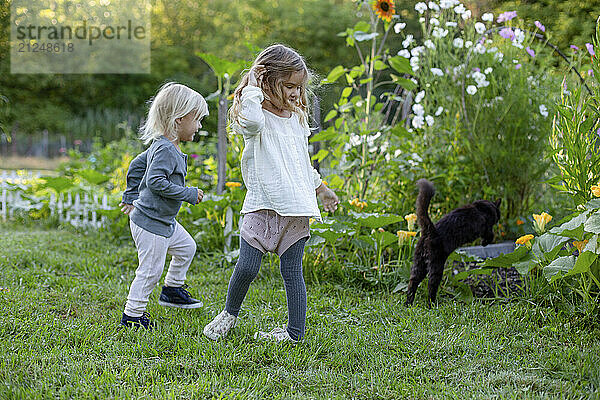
(156, 187)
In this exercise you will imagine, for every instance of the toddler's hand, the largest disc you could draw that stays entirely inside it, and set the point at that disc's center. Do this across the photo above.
(126, 208)
(200, 196)
(329, 199)
(255, 75)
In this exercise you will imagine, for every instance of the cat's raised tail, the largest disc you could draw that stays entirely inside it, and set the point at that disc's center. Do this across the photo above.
(426, 192)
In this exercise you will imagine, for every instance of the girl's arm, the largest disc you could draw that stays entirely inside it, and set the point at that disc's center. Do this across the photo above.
(160, 167)
(135, 173)
(251, 117)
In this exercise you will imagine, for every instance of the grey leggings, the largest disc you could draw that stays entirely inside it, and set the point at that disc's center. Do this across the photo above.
(246, 270)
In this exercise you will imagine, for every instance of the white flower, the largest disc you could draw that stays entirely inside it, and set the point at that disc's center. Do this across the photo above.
(439, 32)
(480, 27)
(397, 152)
(417, 50)
(414, 63)
(407, 41)
(429, 119)
(480, 79)
(471, 89)
(479, 48)
(468, 44)
(498, 56)
(418, 109)
(429, 44)
(448, 3)
(419, 96)
(459, 9)
(519, 38)
(422, 19)
(492, 49)
(543, 110)
(451, 23)
(418, 121)
(458, 43)
(399, 26)
(466, 15)
(420, 7)
(433, 6)
(355, 140)
(434, 21)
(487, 17)
(488, 70)
(404, 53)
(437, 72)
(439, 111)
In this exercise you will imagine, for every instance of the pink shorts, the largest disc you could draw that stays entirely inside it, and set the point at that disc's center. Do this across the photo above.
(266, 230)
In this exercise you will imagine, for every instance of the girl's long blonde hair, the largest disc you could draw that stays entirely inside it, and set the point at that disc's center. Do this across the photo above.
(172, 101)
(280, 62)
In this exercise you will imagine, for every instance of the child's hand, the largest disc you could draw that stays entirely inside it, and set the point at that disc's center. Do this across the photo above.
(126, 208)
(328, 198)
(255, 75)
(200, 196)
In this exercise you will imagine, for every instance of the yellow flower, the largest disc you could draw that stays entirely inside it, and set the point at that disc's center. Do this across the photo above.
(233, 184)
(541, 220)
(357, 203)
(311, 220)
(325, 183)
(384, 9)
(404, 236)
(525, 240)
(580, 245)
(596, 190)
(411, 219)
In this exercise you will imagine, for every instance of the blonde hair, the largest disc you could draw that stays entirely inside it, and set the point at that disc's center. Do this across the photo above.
(172, 101)
(280, 62)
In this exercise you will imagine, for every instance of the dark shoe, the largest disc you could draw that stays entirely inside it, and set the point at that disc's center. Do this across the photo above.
(136, 322)
(177, 297)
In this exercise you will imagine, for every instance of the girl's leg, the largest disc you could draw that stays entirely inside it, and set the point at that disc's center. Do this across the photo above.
(152, 252)
(245, 271)
(182, 248)
(295, 289)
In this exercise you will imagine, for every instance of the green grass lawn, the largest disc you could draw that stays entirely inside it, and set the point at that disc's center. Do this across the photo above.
(63, 294)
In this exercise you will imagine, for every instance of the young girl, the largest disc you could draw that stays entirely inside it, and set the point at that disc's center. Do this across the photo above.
(270, 111)
(155, 190)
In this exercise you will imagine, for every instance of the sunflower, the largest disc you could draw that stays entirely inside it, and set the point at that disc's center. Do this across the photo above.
(384, 9)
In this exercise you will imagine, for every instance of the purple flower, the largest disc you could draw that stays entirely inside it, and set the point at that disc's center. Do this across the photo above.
(476, 69)
(194, 155)
(540, 26)
(590, 72)
(506, 16)
(574, 47)
(530, 52)
(590, 49)
(507, 33)
(518, 66)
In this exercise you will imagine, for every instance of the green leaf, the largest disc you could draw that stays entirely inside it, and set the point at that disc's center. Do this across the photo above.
(593, 224)
(327, 134)
(572, 228)
(320, 155)
(363, 26)
(92, 176)
(330, 115)
(403, 82)
(593, 204)
(334, 74)
(508, 260)
(346, 92)
(379, 65)
(221, 66)
(400, 131)
(548, 245)
(372, 220)
(401, 65)
(469, 272)
(329, 235)
(463, 292)
(385, 238)
(557, 268)
(58, 183)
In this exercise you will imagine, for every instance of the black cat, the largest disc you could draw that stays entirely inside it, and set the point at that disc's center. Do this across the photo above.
(438, 241)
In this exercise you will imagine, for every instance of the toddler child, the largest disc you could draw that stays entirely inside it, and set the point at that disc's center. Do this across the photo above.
(155, 190)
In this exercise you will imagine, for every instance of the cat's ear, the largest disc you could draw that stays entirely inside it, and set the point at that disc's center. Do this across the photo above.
(497, 203)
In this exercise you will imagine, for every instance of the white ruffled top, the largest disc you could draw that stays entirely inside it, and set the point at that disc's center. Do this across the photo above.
(275, 164)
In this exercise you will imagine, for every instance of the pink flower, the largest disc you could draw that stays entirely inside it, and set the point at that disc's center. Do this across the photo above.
(62, 150)
(540, 26)
(194, 155)
(574, 47)
(518, 66)
(77, 142)
(507, 33)
(530, 52)
(590, 49)
(506, 16)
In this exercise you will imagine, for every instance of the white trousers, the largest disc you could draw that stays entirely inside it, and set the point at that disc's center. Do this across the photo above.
(152, 253)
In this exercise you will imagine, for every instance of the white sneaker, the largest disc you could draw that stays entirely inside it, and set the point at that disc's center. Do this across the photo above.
(220, 326)
(277, 334)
